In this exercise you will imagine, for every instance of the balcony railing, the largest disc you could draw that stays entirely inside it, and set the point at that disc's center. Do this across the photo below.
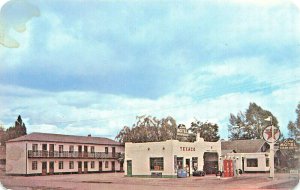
(74, 154)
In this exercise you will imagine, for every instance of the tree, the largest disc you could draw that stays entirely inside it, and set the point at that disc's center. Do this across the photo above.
(294, 127)
(2, 135)
(250, 125)
(16, 131)
(208, 131)
(298, 117)
(148, 129)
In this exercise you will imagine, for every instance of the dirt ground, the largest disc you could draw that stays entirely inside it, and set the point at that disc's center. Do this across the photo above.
(118, 181)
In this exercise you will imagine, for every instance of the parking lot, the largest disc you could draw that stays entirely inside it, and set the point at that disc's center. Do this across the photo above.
(118, 181)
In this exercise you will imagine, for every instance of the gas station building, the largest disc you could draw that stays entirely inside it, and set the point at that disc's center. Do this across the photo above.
(164, 159)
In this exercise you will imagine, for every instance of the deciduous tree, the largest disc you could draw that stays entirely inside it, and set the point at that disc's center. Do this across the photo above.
(249, 125)
(208, 131)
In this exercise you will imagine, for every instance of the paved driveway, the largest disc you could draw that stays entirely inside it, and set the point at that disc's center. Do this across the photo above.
(118, 181)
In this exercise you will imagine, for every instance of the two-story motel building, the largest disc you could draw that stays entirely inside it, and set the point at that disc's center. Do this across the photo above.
(43, 153)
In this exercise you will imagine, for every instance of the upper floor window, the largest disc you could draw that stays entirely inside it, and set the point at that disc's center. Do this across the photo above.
(106, 164)
(106, 150)
(34, 147)
(92, 164)
(71, 148)
(61, 148)
(92, 149)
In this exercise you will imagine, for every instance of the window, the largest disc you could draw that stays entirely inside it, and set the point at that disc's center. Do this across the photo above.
(71, 165)
(92, 164)
(71, 148)
(106, 150)
(60, 165)
(34, 147)
(61, 148)
(157, 163)
(34, 165)
(252, 162)
(92, 149)
(267, 162)
(106, 164)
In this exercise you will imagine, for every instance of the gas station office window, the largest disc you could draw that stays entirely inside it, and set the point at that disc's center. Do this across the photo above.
(252, 162)
(157, 163)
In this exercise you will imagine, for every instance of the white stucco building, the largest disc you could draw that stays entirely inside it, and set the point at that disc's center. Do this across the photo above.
(42, 153)
(247, 155)
(165, 158)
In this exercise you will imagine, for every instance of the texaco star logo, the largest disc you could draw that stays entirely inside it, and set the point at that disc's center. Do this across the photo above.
(267, 134)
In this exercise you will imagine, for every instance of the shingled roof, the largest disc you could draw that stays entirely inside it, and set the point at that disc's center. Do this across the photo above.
(243, 146)
(48, 137)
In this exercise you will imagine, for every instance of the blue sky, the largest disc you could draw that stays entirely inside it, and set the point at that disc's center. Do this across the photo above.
(91, 66)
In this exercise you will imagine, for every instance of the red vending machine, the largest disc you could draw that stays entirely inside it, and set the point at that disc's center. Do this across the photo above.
(228, 168)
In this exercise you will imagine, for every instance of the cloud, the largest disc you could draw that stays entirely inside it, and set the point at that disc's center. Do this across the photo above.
(95, 66)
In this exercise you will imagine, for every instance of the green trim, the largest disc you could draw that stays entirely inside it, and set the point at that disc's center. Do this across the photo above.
(149, 176)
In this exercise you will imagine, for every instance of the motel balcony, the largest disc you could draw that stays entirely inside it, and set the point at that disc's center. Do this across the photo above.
(74, 154)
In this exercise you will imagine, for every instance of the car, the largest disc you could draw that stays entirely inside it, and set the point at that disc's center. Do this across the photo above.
(198, 173)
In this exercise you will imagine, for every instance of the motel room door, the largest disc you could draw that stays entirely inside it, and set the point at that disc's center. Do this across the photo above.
(113, 166)
(85, 167)
(80, 167)
(51, 150)
(100, 166)
(129, 168)
(44, 168)
(51, 167)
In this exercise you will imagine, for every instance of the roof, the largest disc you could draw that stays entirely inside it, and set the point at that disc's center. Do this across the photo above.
(48, 137)
(2, 152)
(243, 146)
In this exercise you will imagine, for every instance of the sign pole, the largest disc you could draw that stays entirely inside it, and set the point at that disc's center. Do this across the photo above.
(272, 156)
(271, 136)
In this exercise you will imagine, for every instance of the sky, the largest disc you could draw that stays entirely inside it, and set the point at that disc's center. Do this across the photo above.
(90, 67)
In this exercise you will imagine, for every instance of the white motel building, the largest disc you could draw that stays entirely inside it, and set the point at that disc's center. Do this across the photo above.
(163, 159)
(45, 154)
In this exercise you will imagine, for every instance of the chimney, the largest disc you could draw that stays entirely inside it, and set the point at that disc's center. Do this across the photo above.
(89, 135)
(198, 138)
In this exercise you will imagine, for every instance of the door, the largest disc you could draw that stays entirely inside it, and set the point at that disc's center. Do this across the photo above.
(100, 166)
(113, 166)
(121, 166)
(113, 152)
(85, 151)
(51, 167)
(129, 168)
(44, 150)
(51, 150)
(187, 166)
(80, 167)
(44, 168)
(243, 164)
(85, 167)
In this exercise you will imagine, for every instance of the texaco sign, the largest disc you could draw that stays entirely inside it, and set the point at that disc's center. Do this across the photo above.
(267, 134)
